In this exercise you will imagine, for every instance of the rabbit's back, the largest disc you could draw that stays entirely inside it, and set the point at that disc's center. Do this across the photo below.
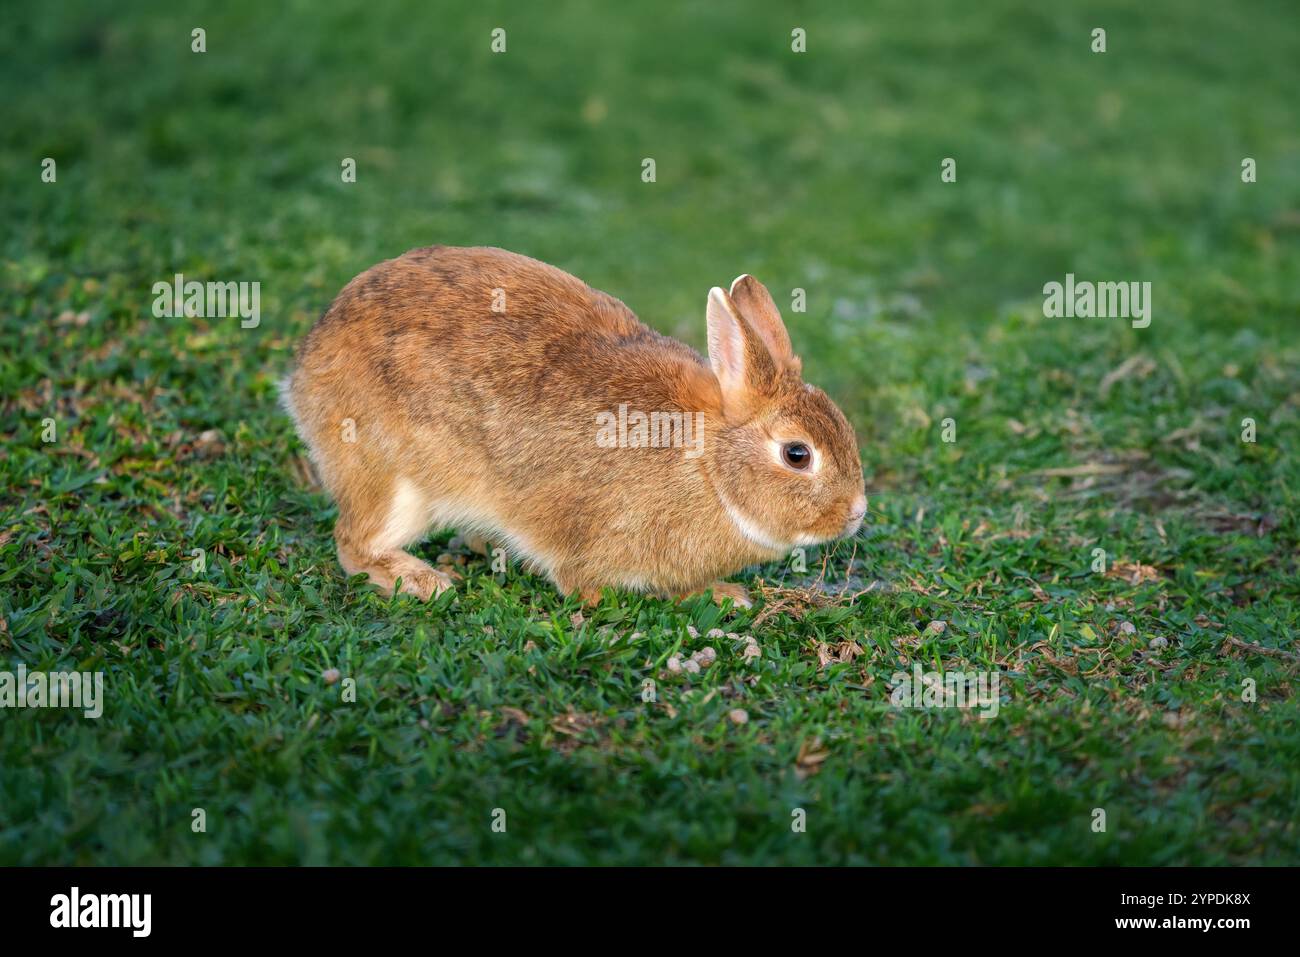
(490, 358)
(494, 328)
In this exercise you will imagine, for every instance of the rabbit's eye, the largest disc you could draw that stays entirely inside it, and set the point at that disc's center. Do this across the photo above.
(797, 455)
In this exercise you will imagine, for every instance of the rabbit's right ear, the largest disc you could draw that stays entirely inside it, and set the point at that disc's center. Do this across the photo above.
(739, 356)
(755, 304)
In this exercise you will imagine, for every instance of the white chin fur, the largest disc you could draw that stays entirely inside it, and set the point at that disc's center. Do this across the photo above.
(749, 528)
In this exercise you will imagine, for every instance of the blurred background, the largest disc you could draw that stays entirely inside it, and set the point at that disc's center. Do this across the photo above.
(818, 170)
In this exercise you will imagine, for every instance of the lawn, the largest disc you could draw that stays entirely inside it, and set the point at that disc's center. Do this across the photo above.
(1152, 680)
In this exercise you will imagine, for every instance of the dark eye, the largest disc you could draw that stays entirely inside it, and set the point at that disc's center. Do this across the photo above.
(797, 455)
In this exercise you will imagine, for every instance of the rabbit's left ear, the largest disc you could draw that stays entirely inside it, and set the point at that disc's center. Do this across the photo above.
(726, 342)
(755, 305)
(743, 361)
(738, 356)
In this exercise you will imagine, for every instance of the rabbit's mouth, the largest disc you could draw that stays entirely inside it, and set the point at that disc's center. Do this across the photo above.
(856, 514)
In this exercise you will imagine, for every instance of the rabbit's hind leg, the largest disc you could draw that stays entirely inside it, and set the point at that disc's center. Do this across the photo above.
(721, 590)
(372, 532)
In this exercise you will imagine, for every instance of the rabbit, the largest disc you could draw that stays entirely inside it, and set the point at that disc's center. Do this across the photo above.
(478, 389)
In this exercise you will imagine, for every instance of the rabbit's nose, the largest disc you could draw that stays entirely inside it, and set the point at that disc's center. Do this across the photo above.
(856, 513)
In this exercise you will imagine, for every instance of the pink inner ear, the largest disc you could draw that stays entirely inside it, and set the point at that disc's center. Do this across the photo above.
(726, 340)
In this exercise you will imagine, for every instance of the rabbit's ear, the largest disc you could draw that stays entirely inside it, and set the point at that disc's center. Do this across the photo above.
(739, 357)
(755, 305)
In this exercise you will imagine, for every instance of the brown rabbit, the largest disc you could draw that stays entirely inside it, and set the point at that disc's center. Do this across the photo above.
(476, 389)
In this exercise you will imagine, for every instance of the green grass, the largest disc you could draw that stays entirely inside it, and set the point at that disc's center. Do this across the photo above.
(818, 171)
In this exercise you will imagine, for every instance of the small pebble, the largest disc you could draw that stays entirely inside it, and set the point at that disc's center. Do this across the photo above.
(1127, 628)
(331, 676)
(209, 444)
(738, 715)
(936, 627)
(1158, 642)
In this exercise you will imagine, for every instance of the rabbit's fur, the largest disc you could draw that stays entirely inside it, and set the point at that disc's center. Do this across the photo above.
(464, 388)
